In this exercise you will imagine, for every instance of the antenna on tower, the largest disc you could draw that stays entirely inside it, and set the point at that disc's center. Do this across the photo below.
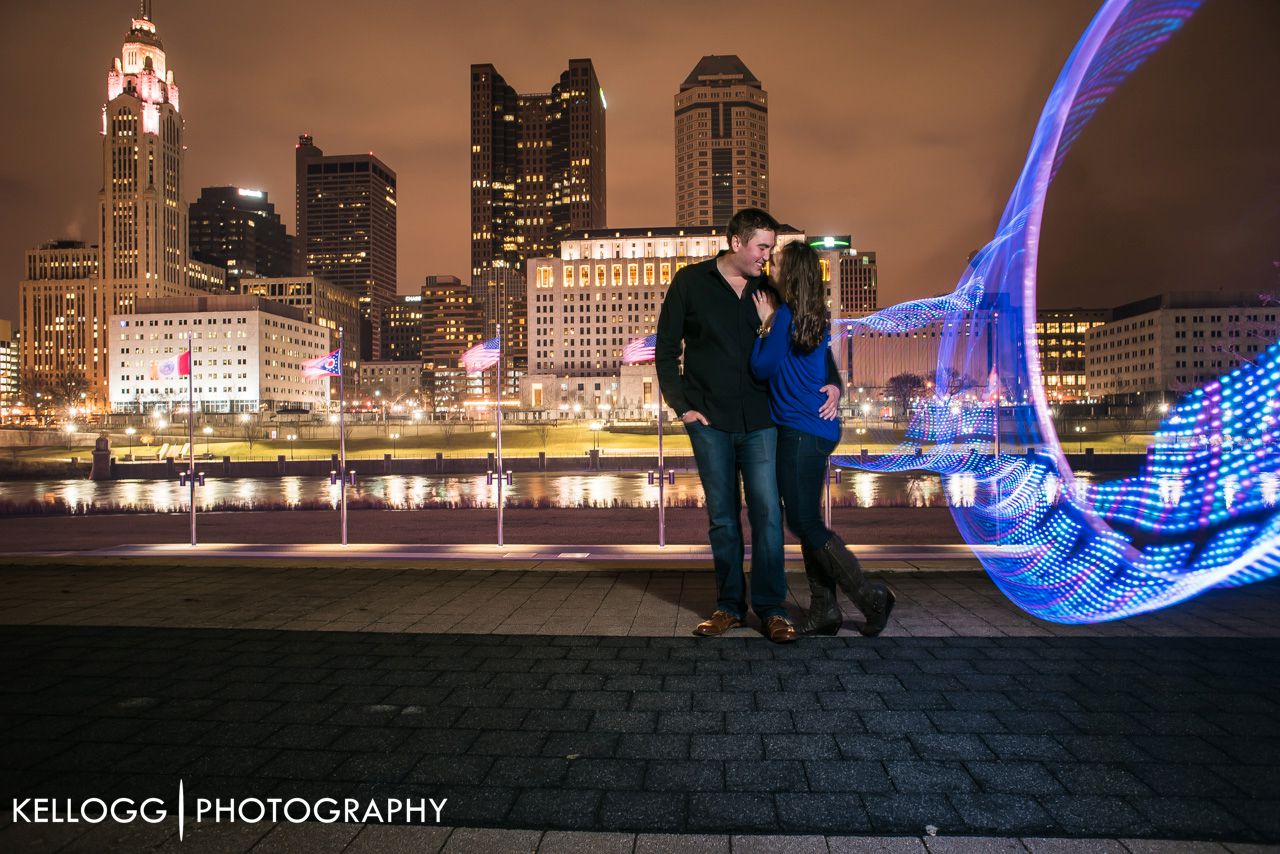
(144, 9)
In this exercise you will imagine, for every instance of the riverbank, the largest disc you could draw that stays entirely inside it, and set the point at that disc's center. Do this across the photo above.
(875, 525)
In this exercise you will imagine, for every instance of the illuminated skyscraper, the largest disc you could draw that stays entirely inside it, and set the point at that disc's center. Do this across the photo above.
(70, 291)
(537, 174)
(722, 142)
(346, 206)
(143, 240)
(240, 231)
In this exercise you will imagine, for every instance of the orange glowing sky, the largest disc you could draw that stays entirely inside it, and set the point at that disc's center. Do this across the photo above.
(902, 123)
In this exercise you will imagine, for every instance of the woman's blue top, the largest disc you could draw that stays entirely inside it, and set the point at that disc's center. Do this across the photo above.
(795, 379)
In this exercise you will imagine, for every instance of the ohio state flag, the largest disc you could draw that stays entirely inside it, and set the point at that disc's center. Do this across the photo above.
(177, 366)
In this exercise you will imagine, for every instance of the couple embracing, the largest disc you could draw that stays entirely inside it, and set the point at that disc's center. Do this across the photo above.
(759, 395)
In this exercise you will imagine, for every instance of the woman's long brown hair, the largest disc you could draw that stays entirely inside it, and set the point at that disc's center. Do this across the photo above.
(800, 284)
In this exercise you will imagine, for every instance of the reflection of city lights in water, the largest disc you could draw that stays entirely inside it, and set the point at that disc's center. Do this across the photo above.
(162, 496)
(864, 489)
(334, 493)
(1270, 485)
(130, 492)
(631, 489)
(1052, 488)
(1230, 486)
(1170, 489)
(962, 488)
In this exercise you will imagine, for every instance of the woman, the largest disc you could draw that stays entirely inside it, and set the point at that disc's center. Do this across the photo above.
(791, 354)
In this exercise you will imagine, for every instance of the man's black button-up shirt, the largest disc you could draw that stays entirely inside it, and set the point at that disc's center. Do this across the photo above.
(718, 329)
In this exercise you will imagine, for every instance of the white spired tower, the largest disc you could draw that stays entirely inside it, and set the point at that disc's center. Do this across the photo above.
(143, 214)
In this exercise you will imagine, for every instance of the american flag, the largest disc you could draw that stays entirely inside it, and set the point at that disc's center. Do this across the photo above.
(323, 366)
(640, 350)
(482, 356)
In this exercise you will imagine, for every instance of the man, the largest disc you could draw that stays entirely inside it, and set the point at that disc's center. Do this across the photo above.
(709, 311)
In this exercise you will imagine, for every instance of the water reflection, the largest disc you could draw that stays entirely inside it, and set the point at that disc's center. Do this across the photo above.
(606, 489)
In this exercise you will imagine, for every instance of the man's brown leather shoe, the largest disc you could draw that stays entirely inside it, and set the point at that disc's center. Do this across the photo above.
(717, 624)
(780, 630)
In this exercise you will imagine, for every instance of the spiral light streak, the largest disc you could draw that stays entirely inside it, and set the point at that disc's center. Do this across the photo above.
(1202, 511)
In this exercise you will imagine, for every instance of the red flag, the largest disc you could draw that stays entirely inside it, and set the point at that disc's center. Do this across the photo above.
(175, 366)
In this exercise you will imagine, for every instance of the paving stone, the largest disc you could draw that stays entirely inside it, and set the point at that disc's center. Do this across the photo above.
(774, 776)
(685, 776)
(555, 808)
(664, 843)
(466, 840)
(950, 746)
(721, 747)
(737, 811)
(925, 776)
(579, 842)
(606, 774)
(766, 844)
(1095, 816)
(1178, 818)
(911, 813)
(847, 776)
(875, 845)
(972, 845)
(645, 811)
(1027, 778)
(398, 839)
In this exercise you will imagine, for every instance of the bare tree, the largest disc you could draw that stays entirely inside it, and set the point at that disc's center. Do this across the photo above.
(904, 388)
(542, 429)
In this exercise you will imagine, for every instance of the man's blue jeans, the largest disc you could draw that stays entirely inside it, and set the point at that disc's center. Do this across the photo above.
(721, 457)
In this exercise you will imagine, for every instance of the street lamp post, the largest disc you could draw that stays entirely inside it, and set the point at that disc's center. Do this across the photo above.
(129, 431)
(70, 430)
(595, 428)
(208, 431)
(394, 436)
(293, 437)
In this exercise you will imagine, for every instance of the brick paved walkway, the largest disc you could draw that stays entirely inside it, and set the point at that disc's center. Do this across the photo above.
(577, 703)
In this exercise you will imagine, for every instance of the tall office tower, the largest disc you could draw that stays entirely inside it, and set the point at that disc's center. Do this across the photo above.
(346, 207)
(239, 230)
(537, 174)
(402, 325)
(64, 308)
(453, 321)
(8, 366)
(722, 142)
(142, 242)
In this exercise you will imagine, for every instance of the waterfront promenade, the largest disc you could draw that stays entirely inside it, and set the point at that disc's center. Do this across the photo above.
(561, 705)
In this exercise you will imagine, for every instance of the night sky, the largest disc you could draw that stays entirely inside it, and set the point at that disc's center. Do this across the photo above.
(902, 123)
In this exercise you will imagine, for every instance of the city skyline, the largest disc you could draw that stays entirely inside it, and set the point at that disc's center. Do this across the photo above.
(913, 160)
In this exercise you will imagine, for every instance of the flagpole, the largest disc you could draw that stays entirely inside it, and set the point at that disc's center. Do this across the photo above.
(662, 480)
(342, 445)
(498, 434)
(191, 434)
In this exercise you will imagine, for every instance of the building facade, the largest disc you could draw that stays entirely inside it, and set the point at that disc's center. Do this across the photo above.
(321, 303)
(246, 355)
(346, 206)
(453, 322)
(142, 244)
(403, 325)
(239, 230)
(722, 142)
(1172, 343)
(391, 383)
(1061, 335)
(63, 311)
(605, 290)
(537, 174)
(9, 384)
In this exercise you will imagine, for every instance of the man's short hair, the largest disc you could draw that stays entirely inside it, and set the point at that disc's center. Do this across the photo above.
(746, 223)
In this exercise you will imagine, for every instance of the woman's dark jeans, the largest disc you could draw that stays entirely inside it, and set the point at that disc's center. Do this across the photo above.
(802, 468)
